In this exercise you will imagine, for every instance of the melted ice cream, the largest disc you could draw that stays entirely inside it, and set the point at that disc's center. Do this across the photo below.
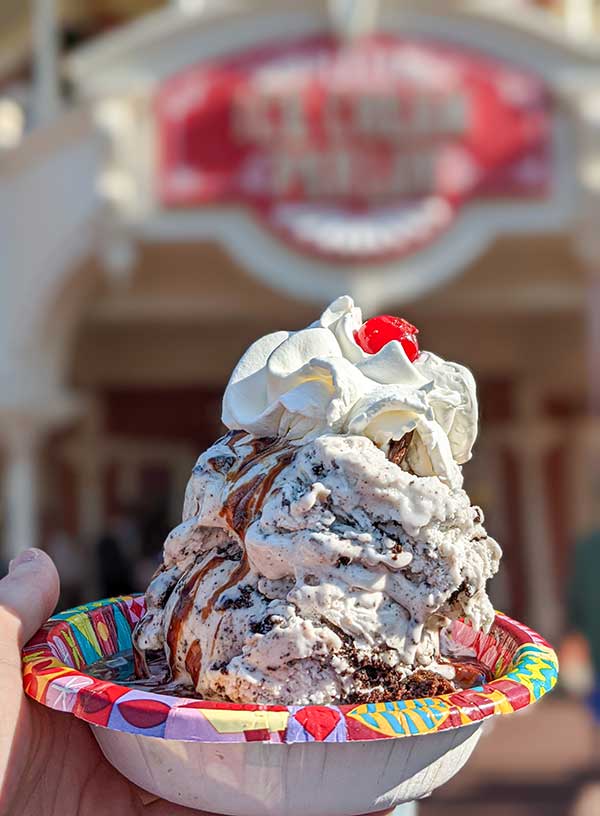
(312, 571)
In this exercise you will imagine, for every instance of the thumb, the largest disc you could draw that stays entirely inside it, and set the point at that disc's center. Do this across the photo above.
(28, 595)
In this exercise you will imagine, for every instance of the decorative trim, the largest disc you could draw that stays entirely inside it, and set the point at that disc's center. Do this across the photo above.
(525, 668)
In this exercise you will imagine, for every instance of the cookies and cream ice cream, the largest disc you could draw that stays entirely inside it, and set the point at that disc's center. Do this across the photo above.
(326, 540)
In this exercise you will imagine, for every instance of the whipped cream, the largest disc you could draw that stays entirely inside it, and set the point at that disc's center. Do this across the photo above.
(300, 385)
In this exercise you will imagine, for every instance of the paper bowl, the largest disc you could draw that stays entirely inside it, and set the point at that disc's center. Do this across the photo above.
(277, 760)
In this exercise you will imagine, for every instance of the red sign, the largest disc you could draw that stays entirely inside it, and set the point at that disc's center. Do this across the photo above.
(357, 151)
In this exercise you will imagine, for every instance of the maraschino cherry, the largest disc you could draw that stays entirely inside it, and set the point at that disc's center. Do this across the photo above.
(378, 331)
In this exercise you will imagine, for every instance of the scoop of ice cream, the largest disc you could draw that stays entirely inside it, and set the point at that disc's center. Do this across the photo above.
(319, 380)
(315, 572)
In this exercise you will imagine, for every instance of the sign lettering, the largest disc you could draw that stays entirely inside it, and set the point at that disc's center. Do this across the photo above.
(385, 127)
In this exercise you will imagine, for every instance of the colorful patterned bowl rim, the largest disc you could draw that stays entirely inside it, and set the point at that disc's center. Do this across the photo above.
(524, 667)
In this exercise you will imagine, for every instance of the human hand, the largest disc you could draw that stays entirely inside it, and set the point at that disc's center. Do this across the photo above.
(50, 763)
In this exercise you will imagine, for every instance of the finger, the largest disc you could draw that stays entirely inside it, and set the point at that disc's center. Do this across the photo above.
(147, 798)
(162, 808)
(28, 595)
(155, 806)
(382, 812)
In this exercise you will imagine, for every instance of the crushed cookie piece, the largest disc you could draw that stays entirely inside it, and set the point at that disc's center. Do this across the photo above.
(242, 601)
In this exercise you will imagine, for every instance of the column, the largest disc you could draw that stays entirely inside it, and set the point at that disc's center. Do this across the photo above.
(579, 17)
(531, 441)
(46, 60)
(353, 18)
(189, 5)
(21, 444)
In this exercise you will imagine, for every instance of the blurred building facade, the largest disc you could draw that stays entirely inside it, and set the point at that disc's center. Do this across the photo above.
(203, 173)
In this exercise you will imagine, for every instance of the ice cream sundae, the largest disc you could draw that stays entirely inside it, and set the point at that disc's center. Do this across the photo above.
(326, 541)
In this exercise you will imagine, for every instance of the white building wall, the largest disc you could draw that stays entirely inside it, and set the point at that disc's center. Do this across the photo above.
(49, 212)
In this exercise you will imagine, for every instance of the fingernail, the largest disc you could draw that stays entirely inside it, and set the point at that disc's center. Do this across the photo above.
(24, 557)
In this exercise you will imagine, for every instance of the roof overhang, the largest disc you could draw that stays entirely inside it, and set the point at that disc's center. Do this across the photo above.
(131, 63)
(159, 44)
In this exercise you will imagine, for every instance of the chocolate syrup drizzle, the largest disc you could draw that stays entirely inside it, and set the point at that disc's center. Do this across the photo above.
(185, 603)
(193, 661)
(244, 502)
(242, 506)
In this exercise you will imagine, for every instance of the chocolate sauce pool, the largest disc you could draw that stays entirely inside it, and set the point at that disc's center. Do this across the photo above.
(120, 669)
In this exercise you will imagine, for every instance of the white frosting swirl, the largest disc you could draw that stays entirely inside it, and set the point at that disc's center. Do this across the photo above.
(318, 380)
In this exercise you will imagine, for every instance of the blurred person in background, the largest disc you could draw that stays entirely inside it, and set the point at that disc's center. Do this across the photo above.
(583, 615)
(66, 554)
(580, 658)
(118, 550)
(154, 527)
(3, 560)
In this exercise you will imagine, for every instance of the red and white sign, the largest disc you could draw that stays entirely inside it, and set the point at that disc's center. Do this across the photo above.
(353, 152)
